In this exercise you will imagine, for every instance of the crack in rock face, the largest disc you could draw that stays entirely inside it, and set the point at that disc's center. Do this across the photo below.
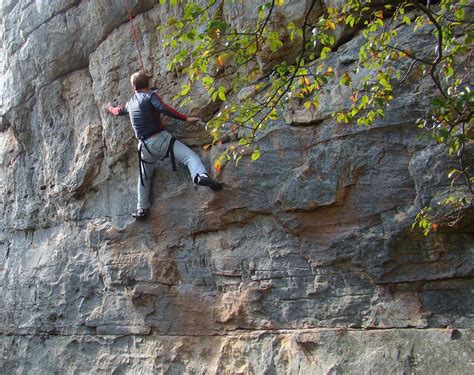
(304, 263)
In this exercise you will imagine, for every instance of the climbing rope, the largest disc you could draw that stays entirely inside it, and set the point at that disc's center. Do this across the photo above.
(134, 35)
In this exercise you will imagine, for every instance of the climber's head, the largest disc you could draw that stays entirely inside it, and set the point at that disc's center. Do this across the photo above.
(140, 80)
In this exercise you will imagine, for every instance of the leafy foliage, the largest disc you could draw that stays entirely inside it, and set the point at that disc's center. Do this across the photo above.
(256, 67)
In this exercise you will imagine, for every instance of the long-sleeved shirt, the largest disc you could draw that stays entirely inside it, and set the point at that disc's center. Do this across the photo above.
(144, 109)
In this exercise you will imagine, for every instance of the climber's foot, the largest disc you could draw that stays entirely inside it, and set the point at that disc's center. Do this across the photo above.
(209, 182)
(140, 214)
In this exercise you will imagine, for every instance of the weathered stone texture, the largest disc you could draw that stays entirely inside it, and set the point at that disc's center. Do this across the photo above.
(304, 263)
(310, 351)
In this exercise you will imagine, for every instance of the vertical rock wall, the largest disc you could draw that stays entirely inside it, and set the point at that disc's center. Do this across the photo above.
(304, 263)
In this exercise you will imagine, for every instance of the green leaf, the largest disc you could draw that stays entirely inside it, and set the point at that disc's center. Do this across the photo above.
(191, 35)
(255, 154)
(345, 79)
(207, 81)
(384, 83)
(349, 18)
(324, 52)
(351, 23)
(215, 24)
(364, 101)
(185, 89)
(437, 102)
(341, 117)
(449, 71)
(273, 115)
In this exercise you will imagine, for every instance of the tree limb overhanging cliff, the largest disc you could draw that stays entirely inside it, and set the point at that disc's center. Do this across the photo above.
(304, 262)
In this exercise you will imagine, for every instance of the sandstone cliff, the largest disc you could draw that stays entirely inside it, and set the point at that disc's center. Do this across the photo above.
(304, 263)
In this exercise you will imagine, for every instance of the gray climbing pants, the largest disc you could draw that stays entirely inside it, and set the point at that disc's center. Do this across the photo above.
(155, 150)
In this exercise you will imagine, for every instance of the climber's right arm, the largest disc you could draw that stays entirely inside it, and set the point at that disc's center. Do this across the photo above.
(120, 110)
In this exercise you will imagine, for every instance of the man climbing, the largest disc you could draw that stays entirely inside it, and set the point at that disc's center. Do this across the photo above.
(154, 143)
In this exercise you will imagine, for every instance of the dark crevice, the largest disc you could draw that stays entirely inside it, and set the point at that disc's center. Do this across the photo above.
(454, 332)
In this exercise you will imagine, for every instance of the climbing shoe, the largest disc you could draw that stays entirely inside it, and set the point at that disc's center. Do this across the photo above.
(205, 180)
(140, 214)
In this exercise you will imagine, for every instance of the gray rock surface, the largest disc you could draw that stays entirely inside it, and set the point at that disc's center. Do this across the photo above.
(304, 263)
(308, 351)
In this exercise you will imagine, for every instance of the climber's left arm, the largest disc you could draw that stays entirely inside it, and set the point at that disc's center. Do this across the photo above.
(166, 109)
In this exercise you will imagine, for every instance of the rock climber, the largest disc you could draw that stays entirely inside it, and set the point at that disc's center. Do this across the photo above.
(155, 143)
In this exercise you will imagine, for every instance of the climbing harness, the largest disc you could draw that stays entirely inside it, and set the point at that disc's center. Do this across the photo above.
(134, 35)
(142, 163)
(170, 154)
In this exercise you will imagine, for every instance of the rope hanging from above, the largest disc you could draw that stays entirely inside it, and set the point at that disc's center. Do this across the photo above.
(134, 35)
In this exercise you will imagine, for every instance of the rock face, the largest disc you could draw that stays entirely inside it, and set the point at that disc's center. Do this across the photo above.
(304, 263)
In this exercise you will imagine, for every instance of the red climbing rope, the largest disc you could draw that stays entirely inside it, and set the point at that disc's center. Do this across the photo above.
(134, 35)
